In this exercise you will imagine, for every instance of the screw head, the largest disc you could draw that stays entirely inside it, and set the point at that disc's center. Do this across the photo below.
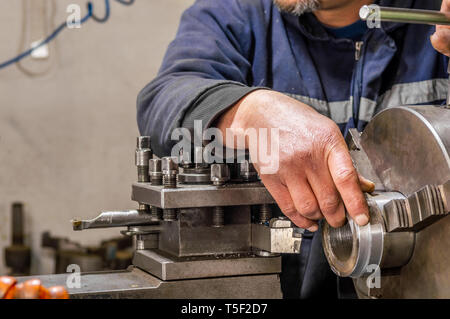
(220, 174)
(169, 165)
(143, 142)
(247, 171)
(155, 165)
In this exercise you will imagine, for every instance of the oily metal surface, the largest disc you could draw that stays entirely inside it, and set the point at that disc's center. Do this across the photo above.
(135, 283)
(409, 148)
(168, 267)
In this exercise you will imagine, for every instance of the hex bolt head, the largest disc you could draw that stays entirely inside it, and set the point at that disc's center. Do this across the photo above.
(155, 171)
(169, 172)
(247, 171)
(143, 142)
(184, 159)
(155, 165)
(198, 157)
(220, 174)
(169, 165)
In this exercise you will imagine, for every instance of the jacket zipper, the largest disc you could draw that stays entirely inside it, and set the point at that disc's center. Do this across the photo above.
(357, 81)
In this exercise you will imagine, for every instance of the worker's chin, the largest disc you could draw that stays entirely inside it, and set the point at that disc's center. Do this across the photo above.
(297, 7)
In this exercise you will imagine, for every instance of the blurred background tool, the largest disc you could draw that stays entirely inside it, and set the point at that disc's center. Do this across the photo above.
(18, 255)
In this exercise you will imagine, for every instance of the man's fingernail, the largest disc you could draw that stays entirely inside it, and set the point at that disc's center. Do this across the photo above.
(362, 220)
(313, 228)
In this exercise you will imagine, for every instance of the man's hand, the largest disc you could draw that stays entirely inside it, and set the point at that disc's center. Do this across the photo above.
(316, 176)
(441, 38)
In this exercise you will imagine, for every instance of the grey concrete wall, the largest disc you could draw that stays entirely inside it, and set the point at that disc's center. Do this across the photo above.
(67, 137)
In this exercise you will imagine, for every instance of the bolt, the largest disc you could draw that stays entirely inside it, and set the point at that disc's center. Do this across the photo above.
(184, 159)
(247, 171)
(218, 216)
(265, 213)
(139, 243)
(220, 174)
(142, 156)
(198, 158)
(169, 172)
(155, 213)
(155, 171)
(169, 214)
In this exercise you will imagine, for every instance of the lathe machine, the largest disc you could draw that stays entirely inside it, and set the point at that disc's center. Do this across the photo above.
(206, 231)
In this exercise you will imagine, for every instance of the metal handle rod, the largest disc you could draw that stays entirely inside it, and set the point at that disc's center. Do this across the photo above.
(407, 16)
(404, 15)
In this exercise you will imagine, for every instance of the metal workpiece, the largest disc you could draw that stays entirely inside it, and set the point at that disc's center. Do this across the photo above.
(169, 168)
(220, 174)
(247, 171)
(167, 267)
(114, 219)
(276, 238)
(404, 15)
(201, 195)
(413, 160)
(355, 251)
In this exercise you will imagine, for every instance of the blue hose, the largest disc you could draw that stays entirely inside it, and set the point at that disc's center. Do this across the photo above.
(62, 26)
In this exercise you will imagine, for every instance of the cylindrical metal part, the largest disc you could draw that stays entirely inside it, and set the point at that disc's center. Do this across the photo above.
(218, 218)
(169, 214)
(220, 174)
(143, 142)
(247, 171)
(184, 159)
(169, 171)
(404, 15)
(142, 172)
(144, 208)
(169, 181)
(145, 241)
(353, 250)
(143, 155)
(265, 213)
(156, 213)
(155, 171)
(198, 158)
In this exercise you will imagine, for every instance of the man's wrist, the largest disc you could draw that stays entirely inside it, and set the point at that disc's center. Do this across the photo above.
(242, 113)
